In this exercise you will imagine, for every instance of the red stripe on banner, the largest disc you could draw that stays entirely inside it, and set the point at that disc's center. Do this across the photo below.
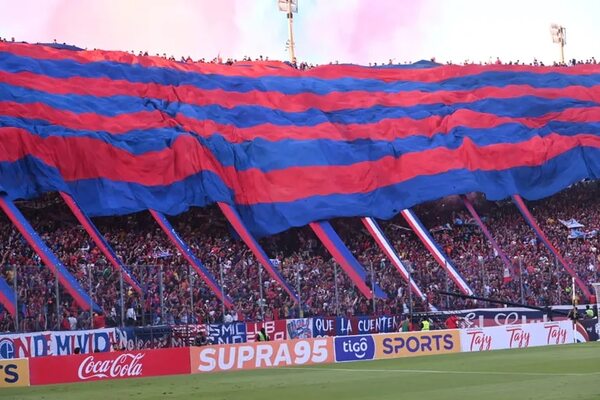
(540, 233)
(337, 255)
(386, 129)
(260, 255)
(104, 87)
(259, 69)
(187, 157)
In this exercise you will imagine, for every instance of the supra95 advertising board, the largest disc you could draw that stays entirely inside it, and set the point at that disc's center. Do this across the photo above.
(14, 373)
(278, 353)
(410, 344)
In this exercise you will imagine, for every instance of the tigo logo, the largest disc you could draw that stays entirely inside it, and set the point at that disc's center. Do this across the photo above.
(354, 348)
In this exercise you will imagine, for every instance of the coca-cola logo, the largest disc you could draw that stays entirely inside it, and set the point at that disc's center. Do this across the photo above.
(518, 337)
(556, 334)
(480, 341)
(124, 365)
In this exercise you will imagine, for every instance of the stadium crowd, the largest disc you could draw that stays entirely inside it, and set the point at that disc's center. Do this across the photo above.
(174, 294)
(305, 65)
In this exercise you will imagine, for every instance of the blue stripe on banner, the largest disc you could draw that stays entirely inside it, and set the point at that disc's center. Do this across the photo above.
(67, 280)
(288, 85)
(348, 258)
(245, 116)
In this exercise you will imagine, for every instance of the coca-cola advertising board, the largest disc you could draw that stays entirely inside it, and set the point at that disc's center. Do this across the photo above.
(105, 366)
(516, 336)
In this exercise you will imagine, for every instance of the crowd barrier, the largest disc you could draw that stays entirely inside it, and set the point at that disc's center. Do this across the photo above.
(38, 344)
(58, 343)
(50, 369)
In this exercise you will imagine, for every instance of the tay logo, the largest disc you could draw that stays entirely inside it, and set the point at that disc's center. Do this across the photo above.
(354, 348)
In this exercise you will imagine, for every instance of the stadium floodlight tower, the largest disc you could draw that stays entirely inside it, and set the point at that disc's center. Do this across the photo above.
(559, 35)
(290, 7)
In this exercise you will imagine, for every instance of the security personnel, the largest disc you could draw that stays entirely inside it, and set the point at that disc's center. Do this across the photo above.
(262, 336)
(425, 325)
(589, 313)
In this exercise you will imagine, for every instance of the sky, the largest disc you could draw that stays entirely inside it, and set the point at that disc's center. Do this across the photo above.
(348, 31)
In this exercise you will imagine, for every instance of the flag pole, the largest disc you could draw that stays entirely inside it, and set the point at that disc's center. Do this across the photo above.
(573, 302)
(290, 17)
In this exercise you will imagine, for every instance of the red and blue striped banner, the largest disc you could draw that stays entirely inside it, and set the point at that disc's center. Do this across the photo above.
(285, 147)
(8, 297)
(343, 256)
(488, 235)
(434, 249)
(377, 233)
(101, 242)
(238, 225)
(530, 219)
(65, 278)
(187, 253)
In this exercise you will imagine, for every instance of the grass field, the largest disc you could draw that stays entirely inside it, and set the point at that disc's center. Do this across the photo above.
(558, 372)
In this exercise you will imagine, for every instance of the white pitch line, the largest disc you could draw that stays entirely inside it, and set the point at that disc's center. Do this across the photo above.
(427, 371)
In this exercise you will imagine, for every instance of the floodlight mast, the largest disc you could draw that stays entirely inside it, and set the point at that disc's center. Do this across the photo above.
(559, 35)
(290, 7)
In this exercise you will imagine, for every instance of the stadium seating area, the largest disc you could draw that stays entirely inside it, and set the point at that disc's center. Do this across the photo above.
(305, 65)
(144, 248)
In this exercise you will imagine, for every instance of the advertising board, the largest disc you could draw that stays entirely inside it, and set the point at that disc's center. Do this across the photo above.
(14, 373)
(104, 366)
(408, 344)
(516, 336)
(278, 353)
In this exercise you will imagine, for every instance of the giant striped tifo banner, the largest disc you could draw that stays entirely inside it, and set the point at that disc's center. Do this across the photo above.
(285, 147)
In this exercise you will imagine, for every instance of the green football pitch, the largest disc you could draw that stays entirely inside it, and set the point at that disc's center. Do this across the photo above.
(557, 372)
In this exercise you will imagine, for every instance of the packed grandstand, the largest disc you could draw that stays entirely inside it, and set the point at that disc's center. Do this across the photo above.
(173, 292)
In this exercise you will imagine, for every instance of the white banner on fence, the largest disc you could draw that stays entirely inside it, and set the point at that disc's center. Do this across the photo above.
(516, 336)
(58, 343)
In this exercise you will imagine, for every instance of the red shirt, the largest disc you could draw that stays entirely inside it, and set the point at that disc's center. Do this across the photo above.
(452, 322)
(99, 321)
